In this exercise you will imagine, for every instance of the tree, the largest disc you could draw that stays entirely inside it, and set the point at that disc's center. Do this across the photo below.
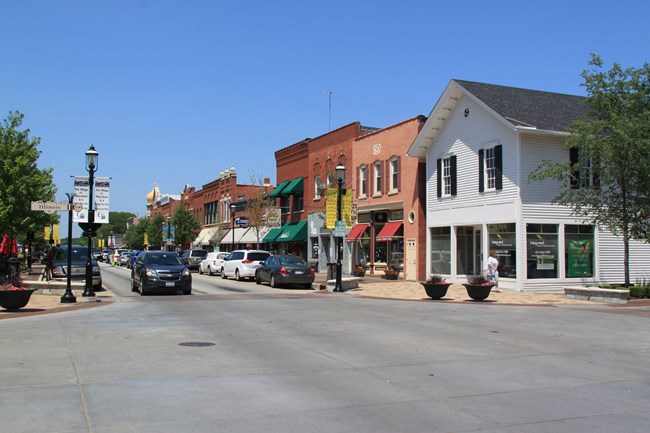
(154, 231)
(607, 180)
(258, 207)
(185, 224)
(117, 224)
(21, 181)
(135, 234)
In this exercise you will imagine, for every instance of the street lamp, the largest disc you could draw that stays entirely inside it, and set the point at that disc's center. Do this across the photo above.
(169, 232)
(232, 213)
(340, 176)
(92, 160)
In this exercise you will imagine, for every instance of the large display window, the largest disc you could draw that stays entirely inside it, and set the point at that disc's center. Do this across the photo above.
(541, 251)
(502, 240)
(440, 250)
(579, 251)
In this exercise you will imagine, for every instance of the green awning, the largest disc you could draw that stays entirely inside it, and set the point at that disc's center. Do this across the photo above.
(276, 192)
(294, 231)
(295, 187)
(271, 235)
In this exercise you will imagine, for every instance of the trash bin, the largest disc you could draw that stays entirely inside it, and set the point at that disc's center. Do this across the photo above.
(14, 266)
(331, 271)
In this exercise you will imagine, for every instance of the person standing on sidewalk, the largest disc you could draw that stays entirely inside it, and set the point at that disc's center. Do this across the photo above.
(492, 269)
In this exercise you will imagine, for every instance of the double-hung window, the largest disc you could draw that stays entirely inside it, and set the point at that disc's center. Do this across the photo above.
(490, 168)
(378, 178)
(318, 185)
(393, 166)
(446, 176)
(363, 181)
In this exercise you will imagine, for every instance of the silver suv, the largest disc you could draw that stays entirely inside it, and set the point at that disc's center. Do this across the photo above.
(192, 258)
(243, 263)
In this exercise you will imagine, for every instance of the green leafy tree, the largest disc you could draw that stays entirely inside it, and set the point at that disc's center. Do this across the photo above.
(135, 234)
(116, 224)
(608, 182)
(21, 181)
(154, 231)
(185, 225)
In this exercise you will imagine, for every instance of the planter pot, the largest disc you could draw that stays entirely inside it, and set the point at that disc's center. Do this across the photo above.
(391, 275)
(478, 293)
(359, 274)
(436, 290)
(14, 299)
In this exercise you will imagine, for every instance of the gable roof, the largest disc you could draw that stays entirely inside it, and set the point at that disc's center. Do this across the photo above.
(517, 108)
(523, 107)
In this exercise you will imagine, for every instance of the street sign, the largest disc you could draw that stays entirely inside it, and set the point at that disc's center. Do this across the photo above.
(339, 229)
(242, 222)
(50, 206)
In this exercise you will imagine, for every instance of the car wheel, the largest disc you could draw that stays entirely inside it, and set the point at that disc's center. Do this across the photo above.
(134, 288)
(274, 283)
(200, 270)
(237, 276)
(141, 289)
(187, 291)
(223, 274)
(307, 286)
(209, 271)
(257, 279)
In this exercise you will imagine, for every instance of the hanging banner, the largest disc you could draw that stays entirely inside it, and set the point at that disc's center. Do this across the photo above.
(102, 186)
(330, 208)
(80, 198)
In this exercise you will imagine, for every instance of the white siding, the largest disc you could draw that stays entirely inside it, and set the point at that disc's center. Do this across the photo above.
(534, 150)
(610, 259)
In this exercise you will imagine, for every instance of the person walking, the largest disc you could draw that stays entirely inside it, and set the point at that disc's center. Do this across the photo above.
(492, 269)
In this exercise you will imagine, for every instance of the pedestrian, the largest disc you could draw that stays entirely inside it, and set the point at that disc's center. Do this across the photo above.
(492, 269)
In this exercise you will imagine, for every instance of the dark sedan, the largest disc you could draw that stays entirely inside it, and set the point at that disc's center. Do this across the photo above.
(279, 270)
(160, 271)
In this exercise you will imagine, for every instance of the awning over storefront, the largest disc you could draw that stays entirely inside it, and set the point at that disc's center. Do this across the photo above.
(292, 232)
(272, 234)
(204, 237)
(216, 237)
(356, 232)
(239, 233)
(250, 237)
(295, 187)
(276, 192)
(388, 231)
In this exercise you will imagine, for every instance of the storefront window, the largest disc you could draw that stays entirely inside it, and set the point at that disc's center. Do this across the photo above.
(501, 238)
(541, 243)
(440, 250)
(579, 251)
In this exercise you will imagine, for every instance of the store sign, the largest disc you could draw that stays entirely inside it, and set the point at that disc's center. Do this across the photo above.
(579, 258)
(543, 249)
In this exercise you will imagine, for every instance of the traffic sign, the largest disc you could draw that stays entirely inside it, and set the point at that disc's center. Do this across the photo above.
(50, 206)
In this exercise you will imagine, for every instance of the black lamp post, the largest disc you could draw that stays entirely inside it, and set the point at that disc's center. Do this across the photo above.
(340, 176)
(169, 233)
(92, 158)
(68, 297)
(232, 213)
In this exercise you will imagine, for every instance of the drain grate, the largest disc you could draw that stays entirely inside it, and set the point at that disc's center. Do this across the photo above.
(196, 344)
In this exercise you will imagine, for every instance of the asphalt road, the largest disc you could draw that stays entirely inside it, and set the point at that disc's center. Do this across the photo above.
(268, 361)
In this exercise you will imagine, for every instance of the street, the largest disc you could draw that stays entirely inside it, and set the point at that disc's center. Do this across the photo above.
(258, 359)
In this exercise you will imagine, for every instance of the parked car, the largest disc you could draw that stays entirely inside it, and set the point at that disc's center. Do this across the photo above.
(124, 258)
(134, 256)
(106, 255)
(115, 255)
(279, 270)
(192, 258)
(243, 263)
(57, 265)
(212, 263)
(160, 271)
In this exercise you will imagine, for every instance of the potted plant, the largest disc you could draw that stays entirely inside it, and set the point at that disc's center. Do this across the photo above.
(391, 273)
(13, 294)
(478, 287)
(359, 271)
(436, 286)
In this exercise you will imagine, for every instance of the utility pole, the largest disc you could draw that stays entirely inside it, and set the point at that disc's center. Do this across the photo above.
(329, 93)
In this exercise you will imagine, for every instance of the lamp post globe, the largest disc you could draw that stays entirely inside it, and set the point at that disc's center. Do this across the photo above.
(340, 176)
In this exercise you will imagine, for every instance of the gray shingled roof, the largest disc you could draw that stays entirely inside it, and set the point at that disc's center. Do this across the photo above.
(524, 107)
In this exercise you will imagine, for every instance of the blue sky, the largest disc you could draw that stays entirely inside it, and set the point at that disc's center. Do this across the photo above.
(174, 91)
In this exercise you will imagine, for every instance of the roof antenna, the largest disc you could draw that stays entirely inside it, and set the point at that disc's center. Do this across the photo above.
(329, 92)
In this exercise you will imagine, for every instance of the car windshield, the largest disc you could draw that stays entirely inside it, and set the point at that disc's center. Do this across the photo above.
(170, 259)
(290, 260)
(78, 254)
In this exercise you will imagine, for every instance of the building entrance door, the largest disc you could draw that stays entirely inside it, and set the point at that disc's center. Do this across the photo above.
(468, 248)
(410, 267)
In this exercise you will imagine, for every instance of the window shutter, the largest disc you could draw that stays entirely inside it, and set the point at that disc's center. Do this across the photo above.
(439, 176)
(498, 165)
(358, 181)
(454, 189)
(399, 173)
(575, 168)
(481, 169)
(387, 176)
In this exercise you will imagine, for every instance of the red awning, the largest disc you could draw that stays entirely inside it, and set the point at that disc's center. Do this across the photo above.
(388, 231)
(356, 232)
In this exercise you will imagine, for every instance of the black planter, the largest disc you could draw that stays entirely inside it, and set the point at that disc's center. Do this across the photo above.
(436, 290)
(391, 275)
(478, 293)
(14, 299)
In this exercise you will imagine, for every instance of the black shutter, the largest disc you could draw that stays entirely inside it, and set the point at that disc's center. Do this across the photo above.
(454, 190)
(439, 177)
(498, 165)
(481, 168)
(575, 168)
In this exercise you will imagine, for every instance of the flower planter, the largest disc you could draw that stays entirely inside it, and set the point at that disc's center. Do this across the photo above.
(478, 292)
(436, 290)
(391, 275)
(14, 299)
